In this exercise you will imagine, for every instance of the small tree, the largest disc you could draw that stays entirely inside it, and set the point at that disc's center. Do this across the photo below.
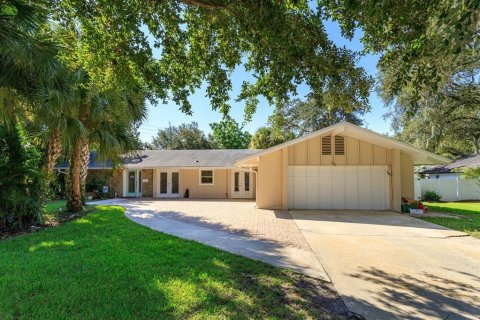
(267, 137)
(228, 134)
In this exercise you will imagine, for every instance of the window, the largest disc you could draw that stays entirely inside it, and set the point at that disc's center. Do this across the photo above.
(206, 176)
(175, 182)
(339, 145)
(140, 181)
(237, 182)
(131, 181)
(247, 181)
(163, 182)
(326, 146)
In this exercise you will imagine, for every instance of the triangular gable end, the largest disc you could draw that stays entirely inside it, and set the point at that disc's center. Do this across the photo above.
(347, 129)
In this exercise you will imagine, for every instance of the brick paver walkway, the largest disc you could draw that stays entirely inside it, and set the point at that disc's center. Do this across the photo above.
(240, 217)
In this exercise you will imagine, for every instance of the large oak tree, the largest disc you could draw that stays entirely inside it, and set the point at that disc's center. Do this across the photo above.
(173, 47)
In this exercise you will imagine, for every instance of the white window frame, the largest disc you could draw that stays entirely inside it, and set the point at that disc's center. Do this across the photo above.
(200, 177)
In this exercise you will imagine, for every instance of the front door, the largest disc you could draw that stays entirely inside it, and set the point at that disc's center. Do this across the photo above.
(134, 183)
(242, 184)
(169, 184)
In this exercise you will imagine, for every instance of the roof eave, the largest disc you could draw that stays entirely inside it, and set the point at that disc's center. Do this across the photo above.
(420, 156)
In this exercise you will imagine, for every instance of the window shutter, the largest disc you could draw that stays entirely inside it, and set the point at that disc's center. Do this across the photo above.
(339, 145)
(326, 146)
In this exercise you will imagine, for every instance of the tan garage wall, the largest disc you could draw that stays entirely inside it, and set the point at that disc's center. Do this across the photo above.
(190, 178)
(406, 164)
(272, 170)
(356, 153)
(270, 183)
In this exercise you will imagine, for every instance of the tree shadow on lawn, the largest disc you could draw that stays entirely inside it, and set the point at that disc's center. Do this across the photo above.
(113, 268)
(426, 296)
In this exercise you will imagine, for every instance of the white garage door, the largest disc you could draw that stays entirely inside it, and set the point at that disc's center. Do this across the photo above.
(339, 187)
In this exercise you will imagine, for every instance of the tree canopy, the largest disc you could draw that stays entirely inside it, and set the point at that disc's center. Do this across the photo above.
(421, 42)
(267, 137)
(447, 122)
(183, 137)
(299, 117)
(228, 134)
(173, 47)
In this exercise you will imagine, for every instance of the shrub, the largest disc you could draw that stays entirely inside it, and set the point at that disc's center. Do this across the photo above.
(431, 196)
(94, 185)
(22, 181)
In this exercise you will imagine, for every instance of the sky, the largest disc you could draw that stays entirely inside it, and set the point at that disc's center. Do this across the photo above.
(160, 115)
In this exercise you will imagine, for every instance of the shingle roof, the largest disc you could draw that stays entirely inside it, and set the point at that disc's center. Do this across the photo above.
(173, 158)
(93, 163)
(468, 161)
(187, 158)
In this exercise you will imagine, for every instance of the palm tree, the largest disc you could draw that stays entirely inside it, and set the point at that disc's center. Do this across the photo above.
(27, 51)
(104, 121)
(30, 72)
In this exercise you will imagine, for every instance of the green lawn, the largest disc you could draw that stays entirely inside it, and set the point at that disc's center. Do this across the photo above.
(469, 212)
(55, 206)
(104, 266)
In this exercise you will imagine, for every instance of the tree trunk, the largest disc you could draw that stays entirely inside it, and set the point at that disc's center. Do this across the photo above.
(476, 145)
(74, 201)
(54, 150)
(84, 167)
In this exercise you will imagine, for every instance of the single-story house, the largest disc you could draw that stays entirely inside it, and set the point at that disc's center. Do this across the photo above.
(451, 170)
(339, 167)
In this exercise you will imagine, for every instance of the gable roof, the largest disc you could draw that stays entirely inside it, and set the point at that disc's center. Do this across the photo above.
(344, 128)
(471, 161)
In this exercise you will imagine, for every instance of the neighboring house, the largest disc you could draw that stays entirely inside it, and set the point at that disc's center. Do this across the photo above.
(339, 167)
(450, 170)
(446, 181)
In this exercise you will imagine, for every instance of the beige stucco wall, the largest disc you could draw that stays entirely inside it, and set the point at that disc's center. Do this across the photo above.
(190, 178)
(406, 164)
(270, 182)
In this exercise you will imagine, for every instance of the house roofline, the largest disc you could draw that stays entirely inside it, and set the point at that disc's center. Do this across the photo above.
(344, 127)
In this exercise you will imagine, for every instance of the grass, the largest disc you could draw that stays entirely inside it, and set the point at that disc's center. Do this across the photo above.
(469, 213)
(54, 206)
(104, 266)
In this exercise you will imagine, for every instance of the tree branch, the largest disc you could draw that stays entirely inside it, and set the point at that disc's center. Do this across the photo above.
(205, 4)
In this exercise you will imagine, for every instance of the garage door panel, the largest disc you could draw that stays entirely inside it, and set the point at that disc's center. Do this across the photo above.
(313, 187)
(339, 187)
(299, 171)
(325, 192)
(312, 171)
(338, 190)
(299, 192)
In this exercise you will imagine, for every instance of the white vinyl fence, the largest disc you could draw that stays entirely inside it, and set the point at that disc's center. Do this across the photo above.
(449, 189)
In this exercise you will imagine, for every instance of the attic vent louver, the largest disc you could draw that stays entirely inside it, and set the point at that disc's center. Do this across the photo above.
(326, 146)
(339, 145)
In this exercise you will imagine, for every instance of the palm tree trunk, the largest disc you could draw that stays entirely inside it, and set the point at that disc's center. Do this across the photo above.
(54, 150)
(74, 201)
(84, 167)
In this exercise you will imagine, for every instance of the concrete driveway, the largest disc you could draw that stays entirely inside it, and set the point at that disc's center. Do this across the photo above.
(390, 266)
